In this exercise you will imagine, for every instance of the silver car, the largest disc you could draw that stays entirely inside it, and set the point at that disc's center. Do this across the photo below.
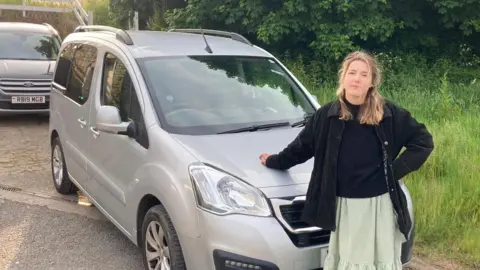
(163, 130)
(28, 53)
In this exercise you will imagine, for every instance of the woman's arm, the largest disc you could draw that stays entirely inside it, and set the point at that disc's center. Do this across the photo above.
(298, 151)
(418, 143)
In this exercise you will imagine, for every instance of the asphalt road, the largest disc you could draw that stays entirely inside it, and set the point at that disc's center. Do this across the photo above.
(41, 229)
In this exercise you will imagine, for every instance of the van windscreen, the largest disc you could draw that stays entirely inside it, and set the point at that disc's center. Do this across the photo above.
(214, 94)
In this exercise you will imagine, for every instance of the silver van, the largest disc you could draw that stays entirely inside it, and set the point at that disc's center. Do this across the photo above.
(28, 53)
(163, 130)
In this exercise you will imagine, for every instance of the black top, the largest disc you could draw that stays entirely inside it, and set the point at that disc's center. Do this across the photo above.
(360, 164)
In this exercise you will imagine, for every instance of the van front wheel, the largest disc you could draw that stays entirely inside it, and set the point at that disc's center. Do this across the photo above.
(60, 178)
(160, 245)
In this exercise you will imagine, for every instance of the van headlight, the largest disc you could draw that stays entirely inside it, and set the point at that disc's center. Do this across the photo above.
(224, 194)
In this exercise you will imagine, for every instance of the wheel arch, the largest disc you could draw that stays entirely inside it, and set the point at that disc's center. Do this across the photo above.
(155, 185)
(53, 136)
(148, 201)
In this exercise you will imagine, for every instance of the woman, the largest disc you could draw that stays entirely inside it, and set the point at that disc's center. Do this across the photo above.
(354, 189)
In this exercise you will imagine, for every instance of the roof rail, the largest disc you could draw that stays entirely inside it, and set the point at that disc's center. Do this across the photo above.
(51, 28)
(54, 32)
(231, 35)
(120, 34)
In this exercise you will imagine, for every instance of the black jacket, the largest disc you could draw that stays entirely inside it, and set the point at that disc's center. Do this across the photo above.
(320, 138)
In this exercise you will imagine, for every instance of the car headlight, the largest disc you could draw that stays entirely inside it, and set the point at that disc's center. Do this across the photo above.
(223, 194)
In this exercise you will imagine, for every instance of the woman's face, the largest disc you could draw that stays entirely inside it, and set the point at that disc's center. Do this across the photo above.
(357, 81)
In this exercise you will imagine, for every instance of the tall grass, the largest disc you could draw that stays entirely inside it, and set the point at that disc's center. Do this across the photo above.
(446, 190)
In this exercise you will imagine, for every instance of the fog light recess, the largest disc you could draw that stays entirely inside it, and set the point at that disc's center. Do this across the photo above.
(224, 260)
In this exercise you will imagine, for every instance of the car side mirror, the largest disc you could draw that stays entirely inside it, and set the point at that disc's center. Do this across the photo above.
(109, 121)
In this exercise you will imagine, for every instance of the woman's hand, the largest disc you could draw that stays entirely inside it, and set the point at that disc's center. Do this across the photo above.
(263, 158)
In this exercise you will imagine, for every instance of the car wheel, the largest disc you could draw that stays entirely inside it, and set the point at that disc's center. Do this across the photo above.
(60, 178)
(160, 246)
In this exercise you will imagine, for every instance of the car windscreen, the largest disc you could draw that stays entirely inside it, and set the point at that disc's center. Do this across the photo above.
(213, 94)
(28, 46)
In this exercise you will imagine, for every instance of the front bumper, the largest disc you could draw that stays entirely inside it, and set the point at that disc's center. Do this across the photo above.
(246, 242)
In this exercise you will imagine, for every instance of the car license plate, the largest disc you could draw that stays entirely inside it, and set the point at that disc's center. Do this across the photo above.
(28, 99)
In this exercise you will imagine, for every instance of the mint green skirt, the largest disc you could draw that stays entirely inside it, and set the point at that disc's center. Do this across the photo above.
(367, 236)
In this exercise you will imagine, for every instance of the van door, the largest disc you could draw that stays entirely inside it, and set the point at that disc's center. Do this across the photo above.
(113, 160)
(72, 105)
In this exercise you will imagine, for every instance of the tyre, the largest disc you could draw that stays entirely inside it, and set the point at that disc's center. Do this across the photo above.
(60, 178)
(160, 246)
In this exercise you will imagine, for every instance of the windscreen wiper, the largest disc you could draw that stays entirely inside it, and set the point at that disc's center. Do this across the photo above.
(256, 127)
(303, 121)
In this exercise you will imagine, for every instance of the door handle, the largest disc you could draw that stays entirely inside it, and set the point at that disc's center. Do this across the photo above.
(82, 122)
(95, 132)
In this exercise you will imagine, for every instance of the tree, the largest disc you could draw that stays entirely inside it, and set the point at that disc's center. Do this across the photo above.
(328, 29)
(125, 9)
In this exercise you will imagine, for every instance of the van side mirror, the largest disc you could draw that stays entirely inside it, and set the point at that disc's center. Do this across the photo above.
(109, 121)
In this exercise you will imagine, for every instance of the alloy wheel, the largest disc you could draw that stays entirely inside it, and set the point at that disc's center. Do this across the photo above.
(156, 247)
(57, 160)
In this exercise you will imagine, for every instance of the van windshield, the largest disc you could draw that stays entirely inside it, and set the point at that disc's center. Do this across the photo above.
(215, 94)
(28, 46)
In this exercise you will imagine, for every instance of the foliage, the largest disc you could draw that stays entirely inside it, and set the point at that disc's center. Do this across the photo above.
(123, 11)
(147, 10)
(157, 21)
(101, 12)
(328, 29)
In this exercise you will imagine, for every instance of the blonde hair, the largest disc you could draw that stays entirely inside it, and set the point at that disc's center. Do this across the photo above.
(371, 111)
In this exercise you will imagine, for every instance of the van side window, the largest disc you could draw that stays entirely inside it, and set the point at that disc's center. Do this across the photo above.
(64, 65)
(118, 90)
(81, 74)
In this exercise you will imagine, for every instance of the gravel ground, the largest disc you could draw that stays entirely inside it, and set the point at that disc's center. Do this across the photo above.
(25, 153)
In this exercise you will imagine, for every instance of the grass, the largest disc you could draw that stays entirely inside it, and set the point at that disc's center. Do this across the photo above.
(446, 190)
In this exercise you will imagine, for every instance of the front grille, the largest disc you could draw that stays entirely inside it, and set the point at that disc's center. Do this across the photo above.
(288, 212)
(292, 214)
(24, 86)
